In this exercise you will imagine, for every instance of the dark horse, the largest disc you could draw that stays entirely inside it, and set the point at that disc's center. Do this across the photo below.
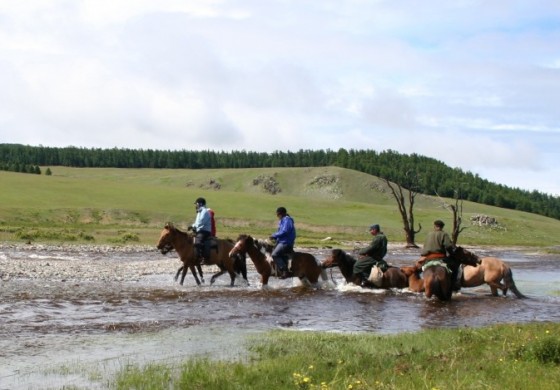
(392, 278)
(183, 243)
(437, 277)
(303, 265)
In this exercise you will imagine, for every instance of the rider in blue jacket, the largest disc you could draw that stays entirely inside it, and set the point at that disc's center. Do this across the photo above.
(285, 238)
(202, 228)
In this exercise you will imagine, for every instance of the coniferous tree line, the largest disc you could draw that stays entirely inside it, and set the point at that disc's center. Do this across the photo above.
(435, 178)
(20, 168)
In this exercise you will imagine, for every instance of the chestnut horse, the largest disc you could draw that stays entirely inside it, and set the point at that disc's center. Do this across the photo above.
(437, 277)
(183, 243)
(392, 278)
(303, 265)
(491, 271)
(246, 245)
(415, 283)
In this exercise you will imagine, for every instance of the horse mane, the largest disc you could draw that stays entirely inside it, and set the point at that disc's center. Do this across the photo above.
(171, 227)
(264, 244)
(242, 237)
(459, 250)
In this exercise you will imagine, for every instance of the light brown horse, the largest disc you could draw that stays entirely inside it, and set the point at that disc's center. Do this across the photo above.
(393, 277)
(491, 271)
(415, 282)
(303, 265)
(437, 277)
(183, 243)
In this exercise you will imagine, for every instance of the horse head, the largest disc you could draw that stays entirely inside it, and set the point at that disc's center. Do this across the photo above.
(465, 257)
(240, 246)
(334, 259)
(410, 270)
(165, 243)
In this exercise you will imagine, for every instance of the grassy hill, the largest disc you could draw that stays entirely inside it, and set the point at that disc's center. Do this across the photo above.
(109, 205)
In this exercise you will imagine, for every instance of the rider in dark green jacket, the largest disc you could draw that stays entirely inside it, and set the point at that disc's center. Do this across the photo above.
(438, 246)
(372, 255)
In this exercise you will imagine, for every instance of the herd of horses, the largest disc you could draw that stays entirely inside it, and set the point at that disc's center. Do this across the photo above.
(230, 256)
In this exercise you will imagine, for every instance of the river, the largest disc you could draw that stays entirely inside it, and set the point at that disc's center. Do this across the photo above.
(62, 332)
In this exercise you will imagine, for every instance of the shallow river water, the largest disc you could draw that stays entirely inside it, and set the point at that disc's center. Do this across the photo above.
(56, 333)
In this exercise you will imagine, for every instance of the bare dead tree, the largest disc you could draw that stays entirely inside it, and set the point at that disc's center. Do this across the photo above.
(405, 210)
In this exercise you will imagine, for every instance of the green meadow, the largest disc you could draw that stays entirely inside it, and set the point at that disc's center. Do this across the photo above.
(130, 206)
(496, 357)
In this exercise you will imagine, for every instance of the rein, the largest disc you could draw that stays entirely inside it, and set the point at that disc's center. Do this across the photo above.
(332, 277)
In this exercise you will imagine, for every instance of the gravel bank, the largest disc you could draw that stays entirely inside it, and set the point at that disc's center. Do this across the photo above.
(84, 262)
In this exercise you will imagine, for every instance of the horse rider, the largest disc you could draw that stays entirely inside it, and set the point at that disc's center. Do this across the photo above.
(372, 255)
(202, 227)
(285, 238)
(438, 246)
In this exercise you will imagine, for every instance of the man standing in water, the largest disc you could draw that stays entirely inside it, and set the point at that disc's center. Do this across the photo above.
(285, 238)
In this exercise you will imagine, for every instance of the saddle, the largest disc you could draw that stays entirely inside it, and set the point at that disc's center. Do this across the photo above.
(458, 277)
(434, 263)
(376, 276)
(210, 243)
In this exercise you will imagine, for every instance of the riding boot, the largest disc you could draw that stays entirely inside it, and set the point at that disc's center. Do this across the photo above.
(284, 274)
(201, 257)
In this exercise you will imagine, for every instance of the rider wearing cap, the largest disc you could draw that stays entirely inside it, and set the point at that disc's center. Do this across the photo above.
(285, 238)
(202, 227)
(372, 255)
(437, 246)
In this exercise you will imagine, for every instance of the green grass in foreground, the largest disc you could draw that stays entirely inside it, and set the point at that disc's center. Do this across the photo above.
(497, 357)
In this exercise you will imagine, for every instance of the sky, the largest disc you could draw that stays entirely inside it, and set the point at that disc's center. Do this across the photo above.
(474, 84)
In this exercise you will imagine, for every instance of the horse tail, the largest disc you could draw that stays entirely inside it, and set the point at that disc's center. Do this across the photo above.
(508, 279)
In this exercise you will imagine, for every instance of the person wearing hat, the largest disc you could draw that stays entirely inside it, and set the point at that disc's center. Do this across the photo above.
(285, 238)
(202, 227)
(372, 255)
(438, 246)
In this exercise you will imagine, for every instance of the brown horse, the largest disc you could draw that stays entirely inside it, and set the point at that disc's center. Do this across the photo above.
(183, 243)
(303, 265)
(246, 245)
(437, 277)
(415, 283)
(491, 271)
(392, 278)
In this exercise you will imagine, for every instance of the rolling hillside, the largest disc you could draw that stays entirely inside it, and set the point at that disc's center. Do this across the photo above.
(100, 205)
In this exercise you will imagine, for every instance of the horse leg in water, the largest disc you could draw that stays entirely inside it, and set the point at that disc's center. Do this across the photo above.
(226, 265)
(240, 265)
(222, 271)
(184, 269)
(199, 268)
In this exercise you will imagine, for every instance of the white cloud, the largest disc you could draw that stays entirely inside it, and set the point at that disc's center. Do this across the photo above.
(471, 83)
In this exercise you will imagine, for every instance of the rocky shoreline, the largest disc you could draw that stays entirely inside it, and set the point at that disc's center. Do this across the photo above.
(116, 263)
(83, 262)
(90, 262)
